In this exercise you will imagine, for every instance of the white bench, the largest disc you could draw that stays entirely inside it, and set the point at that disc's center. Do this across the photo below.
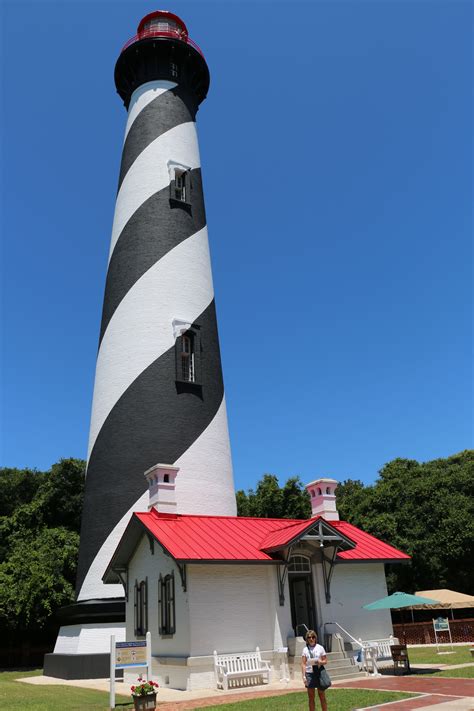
(245, 665)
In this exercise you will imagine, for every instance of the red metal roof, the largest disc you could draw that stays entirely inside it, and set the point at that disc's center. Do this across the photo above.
(235, 538)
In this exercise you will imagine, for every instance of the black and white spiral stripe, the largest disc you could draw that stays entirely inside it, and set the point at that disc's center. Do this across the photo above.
(159, 270)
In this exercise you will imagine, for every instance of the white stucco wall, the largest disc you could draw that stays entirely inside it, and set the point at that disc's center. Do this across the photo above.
(352, 586)
(235, 608)
(145, 565)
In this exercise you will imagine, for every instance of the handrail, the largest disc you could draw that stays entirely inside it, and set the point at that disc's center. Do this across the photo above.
(155, 32)
(357, 641)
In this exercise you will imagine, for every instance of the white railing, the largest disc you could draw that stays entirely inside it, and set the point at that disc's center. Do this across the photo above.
(382, 646)
(358, 642)
(372, 651)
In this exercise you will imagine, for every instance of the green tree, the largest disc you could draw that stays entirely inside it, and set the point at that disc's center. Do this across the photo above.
(269, 500)
(426, 510)
(40, 514)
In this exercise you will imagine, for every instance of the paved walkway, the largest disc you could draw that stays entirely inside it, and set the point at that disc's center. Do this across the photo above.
(439, 693)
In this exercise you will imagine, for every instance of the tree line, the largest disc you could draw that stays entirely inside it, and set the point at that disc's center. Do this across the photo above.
(425, 509)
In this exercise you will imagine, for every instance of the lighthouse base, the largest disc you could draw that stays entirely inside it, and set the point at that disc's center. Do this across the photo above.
(82, 649)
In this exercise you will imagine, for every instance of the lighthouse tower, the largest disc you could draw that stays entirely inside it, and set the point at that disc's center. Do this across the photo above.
(158, 395)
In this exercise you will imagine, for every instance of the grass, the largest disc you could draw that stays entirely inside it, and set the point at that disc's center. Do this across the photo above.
(338, 700)
(15, 696)
(463, 673)
(428, 655)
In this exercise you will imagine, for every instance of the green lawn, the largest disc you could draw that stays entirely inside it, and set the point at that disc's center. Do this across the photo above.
(463, 673)
(15, 696)
(338, 700)
(428, 655)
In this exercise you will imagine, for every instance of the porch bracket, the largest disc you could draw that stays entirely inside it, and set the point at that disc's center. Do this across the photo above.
(282, 573)
(182, 574)
(328, 569)
(122, 574)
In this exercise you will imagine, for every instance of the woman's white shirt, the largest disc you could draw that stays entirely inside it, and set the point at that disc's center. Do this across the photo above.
(313, 653)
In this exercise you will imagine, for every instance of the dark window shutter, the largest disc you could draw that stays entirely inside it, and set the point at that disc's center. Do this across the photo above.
(135, 608)
(160, 605)
(172, 606)
(145, 607)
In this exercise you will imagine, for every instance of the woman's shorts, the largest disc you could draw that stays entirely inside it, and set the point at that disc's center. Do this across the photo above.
(312, 680)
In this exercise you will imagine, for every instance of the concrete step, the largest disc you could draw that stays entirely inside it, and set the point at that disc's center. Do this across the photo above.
(339, 663)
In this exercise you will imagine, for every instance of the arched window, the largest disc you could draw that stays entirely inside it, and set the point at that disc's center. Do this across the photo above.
(299, 564)
(328, 490)
(320, 493)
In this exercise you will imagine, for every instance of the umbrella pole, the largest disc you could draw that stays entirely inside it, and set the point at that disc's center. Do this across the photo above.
(403, 627)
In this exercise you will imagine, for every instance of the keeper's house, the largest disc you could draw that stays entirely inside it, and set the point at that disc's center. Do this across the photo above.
(205, 583)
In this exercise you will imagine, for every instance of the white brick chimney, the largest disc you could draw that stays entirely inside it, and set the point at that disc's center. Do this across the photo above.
(323, 498)
(162, 488)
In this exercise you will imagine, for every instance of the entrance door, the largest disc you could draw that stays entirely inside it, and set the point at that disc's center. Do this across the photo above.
(302, 603)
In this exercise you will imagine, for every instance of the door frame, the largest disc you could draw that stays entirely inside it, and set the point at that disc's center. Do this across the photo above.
(307, 578)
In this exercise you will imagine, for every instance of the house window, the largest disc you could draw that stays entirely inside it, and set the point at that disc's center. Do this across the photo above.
(180, 187)
(299, 564)
(141, 607)
(166, 605)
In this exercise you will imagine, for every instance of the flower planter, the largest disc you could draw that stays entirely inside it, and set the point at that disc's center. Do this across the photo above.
(145, 703)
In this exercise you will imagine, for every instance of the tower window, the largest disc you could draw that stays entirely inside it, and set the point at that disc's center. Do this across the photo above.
(187, 359)
(174, 70)
(141, 607)
(166, 605)
(180, 191)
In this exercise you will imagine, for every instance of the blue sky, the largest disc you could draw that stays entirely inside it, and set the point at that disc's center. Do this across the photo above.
(337, 161)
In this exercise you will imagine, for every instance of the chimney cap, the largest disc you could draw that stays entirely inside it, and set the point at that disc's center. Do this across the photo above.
(322, 480)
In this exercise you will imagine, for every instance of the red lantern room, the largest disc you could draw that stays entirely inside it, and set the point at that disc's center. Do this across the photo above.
(161, 49)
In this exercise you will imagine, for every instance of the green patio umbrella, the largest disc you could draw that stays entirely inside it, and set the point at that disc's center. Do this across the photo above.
(397, 601)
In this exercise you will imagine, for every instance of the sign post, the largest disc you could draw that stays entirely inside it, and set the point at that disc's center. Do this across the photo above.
(440, 625)
(124, 655)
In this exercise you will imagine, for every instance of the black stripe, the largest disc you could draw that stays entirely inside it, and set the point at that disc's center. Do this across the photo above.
(168, 110)
(153, 230)
(150, 423)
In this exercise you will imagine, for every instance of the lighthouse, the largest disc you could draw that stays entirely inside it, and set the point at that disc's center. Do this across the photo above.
(158, 393)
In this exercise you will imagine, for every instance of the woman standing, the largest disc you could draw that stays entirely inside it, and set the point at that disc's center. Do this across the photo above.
(314, 657)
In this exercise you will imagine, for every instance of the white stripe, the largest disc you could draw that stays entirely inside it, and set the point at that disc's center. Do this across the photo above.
(149, 172)
(179, 285)
(204, 486)
(142, 96)
(205, 482)
(93, 587)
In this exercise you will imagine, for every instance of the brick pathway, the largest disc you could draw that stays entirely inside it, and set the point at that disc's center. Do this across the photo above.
(219, 700)
(431, 685)
(435, 690)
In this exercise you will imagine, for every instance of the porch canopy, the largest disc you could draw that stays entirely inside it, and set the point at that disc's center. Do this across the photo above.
(448, 599)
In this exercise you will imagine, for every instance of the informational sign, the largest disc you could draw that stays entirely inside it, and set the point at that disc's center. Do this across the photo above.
(124, 655)
(130, 654)
(441, 626)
